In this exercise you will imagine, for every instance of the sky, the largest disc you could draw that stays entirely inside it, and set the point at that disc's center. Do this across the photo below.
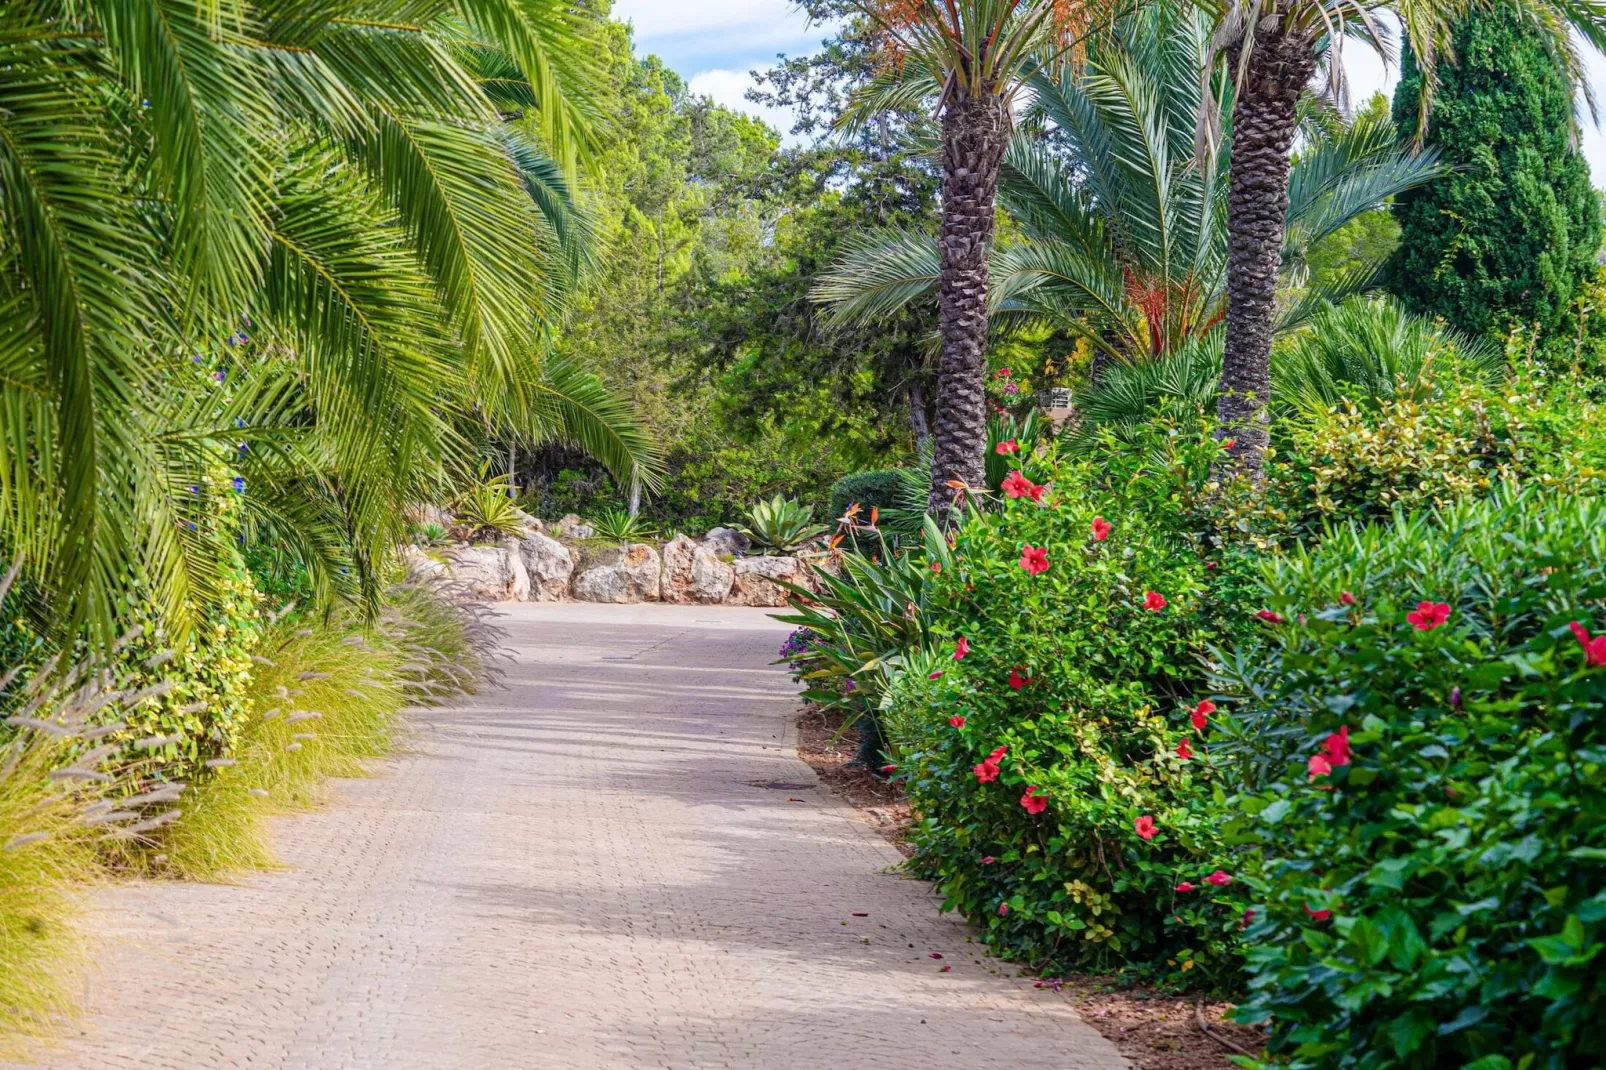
(715, 43)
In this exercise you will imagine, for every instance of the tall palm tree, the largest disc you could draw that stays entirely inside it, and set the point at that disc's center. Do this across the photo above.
(1274, 49)
(974, 57)
(277, 238)
(1125, 234)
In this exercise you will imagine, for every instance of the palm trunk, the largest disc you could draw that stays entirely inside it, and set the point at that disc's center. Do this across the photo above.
(975, 131)
(1263, 123)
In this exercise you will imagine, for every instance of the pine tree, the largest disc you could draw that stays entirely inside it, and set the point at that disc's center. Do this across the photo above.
(1512, 234)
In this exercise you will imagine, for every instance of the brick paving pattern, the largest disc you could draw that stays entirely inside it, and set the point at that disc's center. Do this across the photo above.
(599, 867)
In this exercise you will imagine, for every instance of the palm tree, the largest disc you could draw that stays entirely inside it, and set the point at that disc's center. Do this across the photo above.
(974, 57)
(282, 240)
(1273, 51)
(1125, 236)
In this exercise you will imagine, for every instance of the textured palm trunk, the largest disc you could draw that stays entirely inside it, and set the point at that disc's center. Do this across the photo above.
(975, 131)
(1263, 123)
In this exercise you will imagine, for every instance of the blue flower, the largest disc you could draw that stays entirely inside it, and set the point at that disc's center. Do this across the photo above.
(238, 422)
(195, 488)
(197, 359)
(242, 449)
(239, 484)
(190, 524)
(220, 375)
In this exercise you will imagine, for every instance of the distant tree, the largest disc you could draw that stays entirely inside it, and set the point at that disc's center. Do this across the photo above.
(1514, 232)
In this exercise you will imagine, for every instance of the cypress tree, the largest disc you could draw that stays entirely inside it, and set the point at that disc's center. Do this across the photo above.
(1514, 232)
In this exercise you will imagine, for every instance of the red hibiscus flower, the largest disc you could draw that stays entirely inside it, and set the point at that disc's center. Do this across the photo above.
(1270, 616)
(1001, 373)
(1153, 601)
(1185, 887)
(1345, 598)
(1318, 915)
(1016, 485)
(1034, 559)
(936, 566)
(1033, 802)
(1182, 749)
(988, 860)
(934, 675)
(1336, 746)
(1036, 493)
(961, 648)
(987, 771)
(1428, 615)
(957, 720)
(1017, 681)
(1220, 878)
(1594, 649)
(1144, 827)
(1318, 766)
(1200, 713)
(1101, 529)
(1007, 447)
(1003, 910)
(1229, 444)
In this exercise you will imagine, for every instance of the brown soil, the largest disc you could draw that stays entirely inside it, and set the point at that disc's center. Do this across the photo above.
(1152, 1029)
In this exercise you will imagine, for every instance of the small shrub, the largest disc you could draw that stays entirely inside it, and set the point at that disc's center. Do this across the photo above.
(487, 506)
(1424, 739)
(619, 526)
(871, 490)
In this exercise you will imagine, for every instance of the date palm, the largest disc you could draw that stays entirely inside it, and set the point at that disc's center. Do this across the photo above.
(1125, 233)
(354, 214)
(974, 55)
(1274, 50)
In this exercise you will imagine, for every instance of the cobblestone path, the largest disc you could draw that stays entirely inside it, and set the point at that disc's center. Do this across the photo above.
(602, 866)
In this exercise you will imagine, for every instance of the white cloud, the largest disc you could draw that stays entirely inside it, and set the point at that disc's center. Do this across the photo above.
(728, 87)
(744, 25)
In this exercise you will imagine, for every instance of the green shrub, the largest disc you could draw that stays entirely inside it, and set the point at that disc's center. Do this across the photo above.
(781, 525)
(1434, 893)
(876, 489)
(1084, 679)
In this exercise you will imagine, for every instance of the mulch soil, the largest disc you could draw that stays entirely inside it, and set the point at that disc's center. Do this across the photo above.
(1154, 1030)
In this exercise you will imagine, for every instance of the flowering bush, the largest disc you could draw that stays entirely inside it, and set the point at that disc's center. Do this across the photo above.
(1423, 733)
(1063, 792)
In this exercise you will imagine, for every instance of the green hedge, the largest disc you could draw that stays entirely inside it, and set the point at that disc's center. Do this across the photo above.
(877, 488)
(1433, 894)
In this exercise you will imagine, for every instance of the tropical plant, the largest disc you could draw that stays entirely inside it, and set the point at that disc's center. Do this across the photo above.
(1513, 233)
(1125, 237)
(487, 506)
(621, 525)
(273, 242)
(781, 525)
(429, 532)
(1272, 56)
(973, 57)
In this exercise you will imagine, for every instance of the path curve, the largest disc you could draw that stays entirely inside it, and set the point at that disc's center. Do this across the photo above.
(599, 867)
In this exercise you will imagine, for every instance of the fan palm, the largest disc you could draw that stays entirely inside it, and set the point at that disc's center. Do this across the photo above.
(285, 239)
(1274, 50)
(1125, 237)
(975, 56)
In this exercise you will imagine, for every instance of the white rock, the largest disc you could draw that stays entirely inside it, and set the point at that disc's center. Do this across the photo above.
(752, 584)
(694, 573)
(550, 566)
(630, 575)
(486, 571)
(420, 564)
(572, 527)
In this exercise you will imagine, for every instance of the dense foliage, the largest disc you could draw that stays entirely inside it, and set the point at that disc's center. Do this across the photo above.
(1512, 234)
(1421, 736)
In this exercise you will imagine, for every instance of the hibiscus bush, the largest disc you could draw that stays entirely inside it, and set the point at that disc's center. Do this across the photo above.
(1050, 753)
(1422, 734)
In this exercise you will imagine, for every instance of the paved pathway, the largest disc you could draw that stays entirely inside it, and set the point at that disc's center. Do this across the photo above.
(597, 868)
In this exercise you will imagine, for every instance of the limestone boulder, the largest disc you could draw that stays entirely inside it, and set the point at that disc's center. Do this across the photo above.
(486, 571)
(753, 581)
(421, 565)
(519, 588)
(727, 541)
(630, 574)
(550, 566)
(572, 527)
(694, 573)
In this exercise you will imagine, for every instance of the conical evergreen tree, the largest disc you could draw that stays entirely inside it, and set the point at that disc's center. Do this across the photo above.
(1514, 231)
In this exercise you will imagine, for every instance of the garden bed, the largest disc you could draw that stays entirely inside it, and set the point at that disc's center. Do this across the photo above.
(1152, 1029)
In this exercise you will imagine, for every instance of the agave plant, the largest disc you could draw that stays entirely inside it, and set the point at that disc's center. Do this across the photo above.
(621, 526)
(781, 525)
